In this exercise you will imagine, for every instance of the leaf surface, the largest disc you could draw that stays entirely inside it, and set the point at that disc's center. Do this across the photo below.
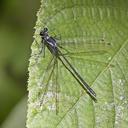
(105, 68)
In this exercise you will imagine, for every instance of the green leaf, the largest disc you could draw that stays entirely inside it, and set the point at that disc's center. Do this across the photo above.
(17, 117)
(97, 29)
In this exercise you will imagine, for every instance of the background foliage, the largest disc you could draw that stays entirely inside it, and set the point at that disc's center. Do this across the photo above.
(17, 19)
(83, 21)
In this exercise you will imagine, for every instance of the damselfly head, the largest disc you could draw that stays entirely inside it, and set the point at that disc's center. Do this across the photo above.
(44, 32)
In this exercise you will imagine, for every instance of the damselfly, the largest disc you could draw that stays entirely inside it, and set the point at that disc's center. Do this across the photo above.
(54, 48)
(56, 51)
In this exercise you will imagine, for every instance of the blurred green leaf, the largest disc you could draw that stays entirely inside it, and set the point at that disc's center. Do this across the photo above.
(12, 73)
(90, 22)
(16, 28)
(17, 117)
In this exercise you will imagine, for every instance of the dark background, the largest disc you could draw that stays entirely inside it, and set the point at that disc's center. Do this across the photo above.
(17, 20)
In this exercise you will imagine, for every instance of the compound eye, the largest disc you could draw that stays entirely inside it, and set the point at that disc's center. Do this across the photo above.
(45, 29)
